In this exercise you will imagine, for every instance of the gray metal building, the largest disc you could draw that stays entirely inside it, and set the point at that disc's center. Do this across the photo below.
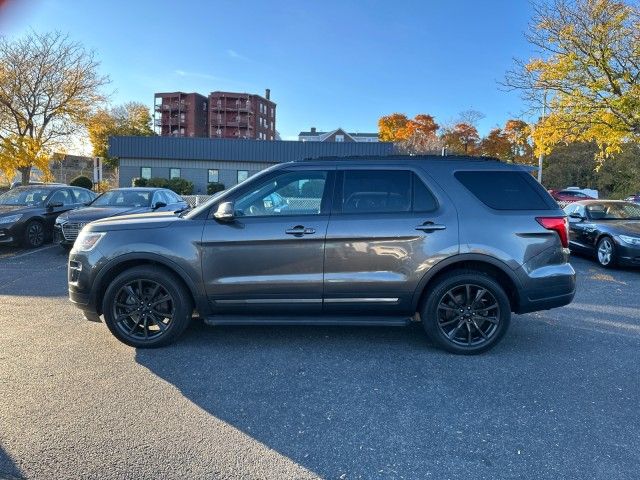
(201, 160)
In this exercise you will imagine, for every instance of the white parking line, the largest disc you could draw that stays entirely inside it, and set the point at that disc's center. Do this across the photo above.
(30, 252)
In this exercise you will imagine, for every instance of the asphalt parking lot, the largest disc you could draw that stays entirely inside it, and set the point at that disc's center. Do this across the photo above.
(558, 398)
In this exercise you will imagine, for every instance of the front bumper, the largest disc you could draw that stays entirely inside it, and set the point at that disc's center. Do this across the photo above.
(628, 255)
(10, 234)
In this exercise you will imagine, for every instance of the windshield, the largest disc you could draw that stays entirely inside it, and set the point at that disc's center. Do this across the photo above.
(613, 211)
(123, 198)
(30, 197)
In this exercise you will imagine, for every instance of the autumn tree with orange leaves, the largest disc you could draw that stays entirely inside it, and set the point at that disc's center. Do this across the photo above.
(462, 139)
(398, 127)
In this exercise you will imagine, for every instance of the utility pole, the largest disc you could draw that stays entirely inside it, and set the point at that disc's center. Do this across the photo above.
(541, 156)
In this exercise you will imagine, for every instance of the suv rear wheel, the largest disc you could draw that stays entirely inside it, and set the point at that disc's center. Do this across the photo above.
(147, 307)
(466, 312)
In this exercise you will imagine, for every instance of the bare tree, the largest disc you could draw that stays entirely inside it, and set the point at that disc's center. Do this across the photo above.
(421, 143)
(49, 86)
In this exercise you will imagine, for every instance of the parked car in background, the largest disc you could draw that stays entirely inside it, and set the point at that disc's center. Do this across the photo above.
(34, 182)
(116, 202)
(27, 214)
(456, 243)
(633, 198)
(606, 229)
(569, 195)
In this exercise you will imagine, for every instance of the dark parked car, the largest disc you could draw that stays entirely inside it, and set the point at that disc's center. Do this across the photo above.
(120, 201)
(27, 214)
(607, 229)
(633, 198)
(456, 243)
(34, 182)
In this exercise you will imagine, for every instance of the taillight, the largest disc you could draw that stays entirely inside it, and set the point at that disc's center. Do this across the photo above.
(560, 225)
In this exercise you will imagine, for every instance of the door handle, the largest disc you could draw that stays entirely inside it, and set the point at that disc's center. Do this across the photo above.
(300, 230)
(430, 227)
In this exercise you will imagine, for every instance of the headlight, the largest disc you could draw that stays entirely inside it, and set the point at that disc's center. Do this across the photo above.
(630, 240)
(86, 241)
(60, 220)
(10, 218)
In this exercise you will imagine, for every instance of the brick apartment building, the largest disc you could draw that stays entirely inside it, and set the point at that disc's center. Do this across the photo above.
(221, 115)
(241, 115)
(178, 114)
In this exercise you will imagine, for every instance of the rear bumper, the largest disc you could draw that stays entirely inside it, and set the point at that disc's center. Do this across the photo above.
(547, 287)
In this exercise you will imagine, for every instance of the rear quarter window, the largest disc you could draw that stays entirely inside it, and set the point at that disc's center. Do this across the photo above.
(506, 190)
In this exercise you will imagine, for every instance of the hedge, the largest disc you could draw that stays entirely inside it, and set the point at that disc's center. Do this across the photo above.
(82, 181)
(214, 187)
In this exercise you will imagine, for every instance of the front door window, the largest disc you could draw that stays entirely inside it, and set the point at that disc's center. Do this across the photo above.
(292, 193)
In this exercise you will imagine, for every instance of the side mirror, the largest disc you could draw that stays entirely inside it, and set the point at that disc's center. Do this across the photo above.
(576, 217)
(159, 205)
(51, 206)
(225, 212)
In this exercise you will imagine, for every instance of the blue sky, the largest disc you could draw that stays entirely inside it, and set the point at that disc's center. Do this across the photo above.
(328, 63)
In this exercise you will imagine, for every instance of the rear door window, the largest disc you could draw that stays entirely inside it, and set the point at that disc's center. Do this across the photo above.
(384, 191)
(506, 190)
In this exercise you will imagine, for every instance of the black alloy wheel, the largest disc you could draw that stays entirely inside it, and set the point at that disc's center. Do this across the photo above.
(466, 312)
(34, 234)
(143, 309)
(147, 306)
(468, 315)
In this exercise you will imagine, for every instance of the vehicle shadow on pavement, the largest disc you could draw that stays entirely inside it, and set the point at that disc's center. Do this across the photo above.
(8, 469)
(361, 401)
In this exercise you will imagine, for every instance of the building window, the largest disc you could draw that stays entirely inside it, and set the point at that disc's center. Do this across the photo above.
(145, 172)
(213, 176)
(339, 138)
(174, 173)
(242, 175)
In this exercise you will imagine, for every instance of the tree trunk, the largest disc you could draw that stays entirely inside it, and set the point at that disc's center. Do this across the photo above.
(26, 174)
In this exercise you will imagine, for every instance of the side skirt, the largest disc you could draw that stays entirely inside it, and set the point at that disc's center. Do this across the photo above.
(391, 321)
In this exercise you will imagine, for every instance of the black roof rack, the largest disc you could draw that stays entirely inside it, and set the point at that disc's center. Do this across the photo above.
(401, 158)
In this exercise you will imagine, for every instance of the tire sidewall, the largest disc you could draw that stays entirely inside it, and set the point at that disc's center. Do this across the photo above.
(440, 288)
(181, 298)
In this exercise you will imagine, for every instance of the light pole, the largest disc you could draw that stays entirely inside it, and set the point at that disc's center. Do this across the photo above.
(541, 156)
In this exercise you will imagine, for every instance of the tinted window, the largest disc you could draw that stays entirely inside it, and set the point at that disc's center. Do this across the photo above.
(174, 197)
(62, 196)
(505, 190)
(123, 198)
(82, 196)
(365, 191)
(423, 200)
(290, 193)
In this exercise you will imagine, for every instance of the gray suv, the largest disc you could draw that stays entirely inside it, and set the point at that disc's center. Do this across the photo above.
(455, 243)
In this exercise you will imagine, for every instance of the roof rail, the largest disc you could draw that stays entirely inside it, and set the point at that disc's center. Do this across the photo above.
(401, 158)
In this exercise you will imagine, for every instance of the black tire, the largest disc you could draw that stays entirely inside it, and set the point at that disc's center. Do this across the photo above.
(479, 323)
(144, 321)
(606, 244)
(34, 234)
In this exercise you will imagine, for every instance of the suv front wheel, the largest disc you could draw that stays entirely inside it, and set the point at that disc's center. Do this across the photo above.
(147, 306)
(466, 312)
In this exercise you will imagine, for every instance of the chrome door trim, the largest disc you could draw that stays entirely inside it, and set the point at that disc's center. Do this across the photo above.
(363, 300)
(268, 300)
